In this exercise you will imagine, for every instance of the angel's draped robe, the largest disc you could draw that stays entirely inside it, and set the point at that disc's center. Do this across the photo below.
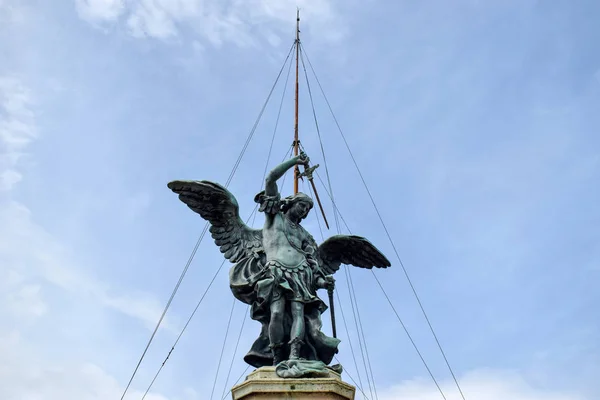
(255, 285)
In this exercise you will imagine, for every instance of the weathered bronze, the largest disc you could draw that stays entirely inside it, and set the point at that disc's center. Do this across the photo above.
(279, 268)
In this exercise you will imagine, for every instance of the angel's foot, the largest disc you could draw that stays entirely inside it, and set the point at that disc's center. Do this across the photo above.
(295, 347)
(277, 350)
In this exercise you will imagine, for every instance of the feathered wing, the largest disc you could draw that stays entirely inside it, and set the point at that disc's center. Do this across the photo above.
(349, 250)
(218, 206)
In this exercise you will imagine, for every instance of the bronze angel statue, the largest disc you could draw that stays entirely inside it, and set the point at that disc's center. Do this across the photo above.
(278, 269)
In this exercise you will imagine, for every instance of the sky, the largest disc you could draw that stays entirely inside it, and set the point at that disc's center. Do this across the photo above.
(474, 125)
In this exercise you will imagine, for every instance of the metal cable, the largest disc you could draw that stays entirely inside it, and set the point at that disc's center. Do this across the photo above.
(354, 304)
(237, 343)
(162, 316)
(289, 154)
(353, 381)
(387, 233)
(192, 315)
(349, 339)
(362, 332)
(260, 115)
(314, 112)
(253, 220)
(342, 310)
(223, 349)
(395, 312)
(253, 216)
(287, 78)
(184, 328)
(192, 255)
(235, 383)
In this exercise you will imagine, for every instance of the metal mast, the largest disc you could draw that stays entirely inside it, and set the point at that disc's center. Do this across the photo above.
(296, 141)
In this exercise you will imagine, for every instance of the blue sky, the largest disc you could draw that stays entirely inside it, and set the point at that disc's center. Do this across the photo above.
(474, 124)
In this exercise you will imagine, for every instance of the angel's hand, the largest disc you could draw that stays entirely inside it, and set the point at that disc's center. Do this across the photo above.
(302, 159)
(327, 282)
(330, 281)
(321, 283)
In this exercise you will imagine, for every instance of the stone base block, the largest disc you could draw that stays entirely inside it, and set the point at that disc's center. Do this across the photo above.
(264, 384)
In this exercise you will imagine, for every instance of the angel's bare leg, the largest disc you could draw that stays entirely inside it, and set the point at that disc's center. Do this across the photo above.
(276, 333)
(298, 329)
(276, 326)
(297, 320)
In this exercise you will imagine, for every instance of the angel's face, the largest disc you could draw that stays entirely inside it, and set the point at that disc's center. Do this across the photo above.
(299, 210)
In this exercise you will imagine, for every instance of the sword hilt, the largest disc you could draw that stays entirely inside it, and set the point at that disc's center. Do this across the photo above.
(308, 171)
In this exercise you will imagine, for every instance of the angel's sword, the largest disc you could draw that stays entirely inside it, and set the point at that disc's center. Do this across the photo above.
(308, 173)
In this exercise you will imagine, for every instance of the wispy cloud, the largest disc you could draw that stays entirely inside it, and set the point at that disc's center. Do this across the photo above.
(17, 129)
(26, 375)
(26, 249)
(37, 273)
(480, 385)
(474, 125)
(98, 11)
(218, 22)
(22, 300)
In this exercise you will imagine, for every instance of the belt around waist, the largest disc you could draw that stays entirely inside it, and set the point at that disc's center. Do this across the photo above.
(279, 264)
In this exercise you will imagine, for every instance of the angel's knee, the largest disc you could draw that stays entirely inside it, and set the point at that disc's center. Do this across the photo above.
(277, 311)
(297, 308)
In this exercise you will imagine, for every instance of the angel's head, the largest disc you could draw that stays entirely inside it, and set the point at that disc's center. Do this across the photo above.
(297, 206)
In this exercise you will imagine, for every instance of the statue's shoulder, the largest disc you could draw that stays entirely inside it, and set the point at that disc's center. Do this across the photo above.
(279, 219)
(308, 237)
(269, 204)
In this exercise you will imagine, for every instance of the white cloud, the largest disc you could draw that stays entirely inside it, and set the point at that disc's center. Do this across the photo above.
(26, 300)
(38, 273)
(26, 249)
(21, 299)
(480, 385)
(158, 19)
(8, 179)
(27, 376)
(17, 129)
(216, 21)
(97, 11)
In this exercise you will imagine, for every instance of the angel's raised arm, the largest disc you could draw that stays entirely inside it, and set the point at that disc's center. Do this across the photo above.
(271, 188)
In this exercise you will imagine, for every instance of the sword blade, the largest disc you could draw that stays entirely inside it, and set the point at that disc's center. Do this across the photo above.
(319, 202)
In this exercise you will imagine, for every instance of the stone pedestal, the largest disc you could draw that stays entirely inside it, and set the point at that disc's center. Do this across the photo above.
(264, 384)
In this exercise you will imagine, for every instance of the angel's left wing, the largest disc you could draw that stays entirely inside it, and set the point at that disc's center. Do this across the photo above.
(350, 250)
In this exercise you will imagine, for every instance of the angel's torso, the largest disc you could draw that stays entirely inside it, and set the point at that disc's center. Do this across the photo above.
(283, 241)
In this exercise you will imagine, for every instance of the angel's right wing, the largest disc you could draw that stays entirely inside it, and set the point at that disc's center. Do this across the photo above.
(218, 206)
